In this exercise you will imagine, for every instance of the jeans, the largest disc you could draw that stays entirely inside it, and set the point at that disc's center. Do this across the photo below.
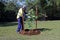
(19, 28)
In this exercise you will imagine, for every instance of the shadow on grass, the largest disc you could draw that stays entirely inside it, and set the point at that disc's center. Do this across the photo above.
(7, 24)
(41, 29)
(44, 29)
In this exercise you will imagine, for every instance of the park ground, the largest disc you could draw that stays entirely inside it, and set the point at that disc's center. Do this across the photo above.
(50, 30)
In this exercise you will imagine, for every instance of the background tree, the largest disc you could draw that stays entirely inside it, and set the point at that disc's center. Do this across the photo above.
(1, 10)
(9, 14)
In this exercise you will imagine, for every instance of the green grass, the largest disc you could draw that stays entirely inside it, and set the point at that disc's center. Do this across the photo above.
(50, 30)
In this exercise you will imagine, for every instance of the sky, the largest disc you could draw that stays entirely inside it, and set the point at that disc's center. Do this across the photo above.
(15, 1)
(20, 3)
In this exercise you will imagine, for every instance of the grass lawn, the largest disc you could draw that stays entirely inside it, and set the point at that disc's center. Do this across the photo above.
(50, 30)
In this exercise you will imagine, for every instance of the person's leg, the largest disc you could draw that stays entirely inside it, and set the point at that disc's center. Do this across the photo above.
(19, 25)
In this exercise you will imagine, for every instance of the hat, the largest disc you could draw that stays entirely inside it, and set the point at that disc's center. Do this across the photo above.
(24, 6)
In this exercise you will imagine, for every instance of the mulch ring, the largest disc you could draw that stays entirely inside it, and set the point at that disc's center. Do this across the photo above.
(30, 32)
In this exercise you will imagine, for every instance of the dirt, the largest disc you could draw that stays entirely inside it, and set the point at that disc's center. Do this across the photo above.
(30, 32)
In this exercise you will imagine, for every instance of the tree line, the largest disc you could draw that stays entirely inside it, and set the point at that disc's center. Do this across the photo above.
(47, 9)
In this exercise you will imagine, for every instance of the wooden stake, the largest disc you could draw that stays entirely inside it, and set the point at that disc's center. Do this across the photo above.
(36, 15)
(22, 22)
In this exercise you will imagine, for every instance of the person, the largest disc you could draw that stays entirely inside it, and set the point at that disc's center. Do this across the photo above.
(21, 13)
